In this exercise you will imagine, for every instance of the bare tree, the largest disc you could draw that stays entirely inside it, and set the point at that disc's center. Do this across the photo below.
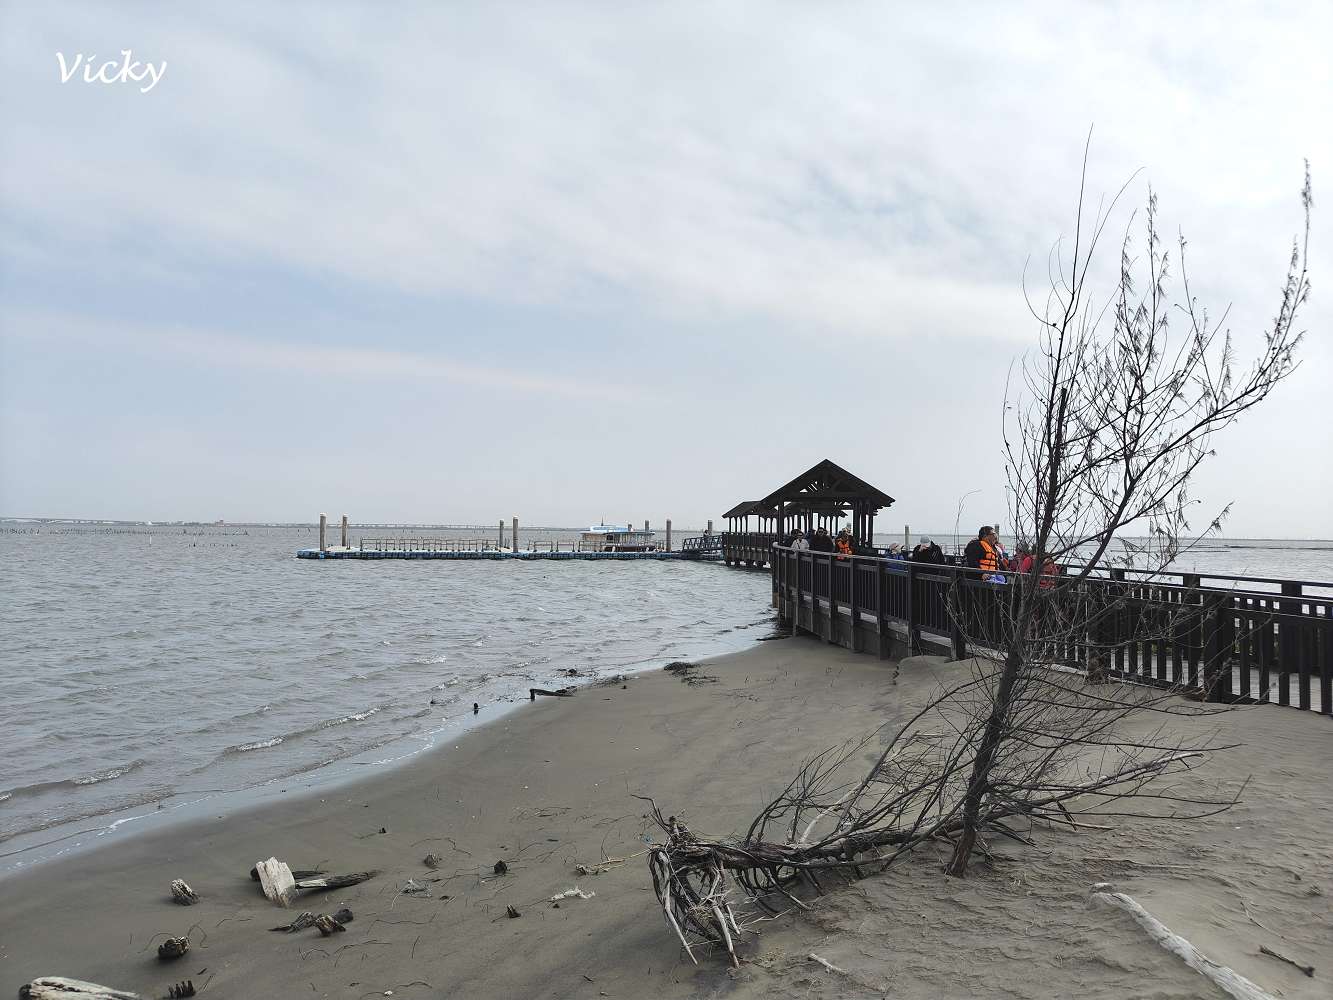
(1110, 420)
(1113, 415)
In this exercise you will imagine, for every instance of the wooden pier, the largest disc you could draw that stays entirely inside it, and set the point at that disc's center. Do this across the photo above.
(1220, 639)
(433, 552)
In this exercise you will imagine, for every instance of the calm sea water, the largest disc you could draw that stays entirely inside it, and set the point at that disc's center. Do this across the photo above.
(144, 666)
(153, 666)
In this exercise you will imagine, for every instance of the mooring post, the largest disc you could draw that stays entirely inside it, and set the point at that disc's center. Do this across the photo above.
(907, 536)
(513, 538)
(344, 531)
(668, 535)
(323, 526)
(500, 542)
(710, 528)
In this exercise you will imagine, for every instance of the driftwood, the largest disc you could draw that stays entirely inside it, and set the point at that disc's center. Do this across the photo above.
(308, 919)
(181, 990)
(1227, 980)
(182, 893)
(173, 948)
(327, 925)
(276, 879)
(280, 885)
(297, 873)
(57, 988)
(1265, 950)
(565, 692)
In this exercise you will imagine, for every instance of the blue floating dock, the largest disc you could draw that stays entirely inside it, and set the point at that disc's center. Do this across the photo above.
(340, 553)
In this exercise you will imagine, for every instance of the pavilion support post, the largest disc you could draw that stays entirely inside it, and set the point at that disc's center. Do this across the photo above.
(323, 527)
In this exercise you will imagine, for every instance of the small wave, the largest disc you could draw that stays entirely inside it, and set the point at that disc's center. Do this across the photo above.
(432, 659)
(110, 774)
(96, 778)
(257, 745)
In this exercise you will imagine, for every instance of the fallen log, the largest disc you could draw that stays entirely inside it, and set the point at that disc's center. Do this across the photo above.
(323, 883)
(280, 885)
(58, 988)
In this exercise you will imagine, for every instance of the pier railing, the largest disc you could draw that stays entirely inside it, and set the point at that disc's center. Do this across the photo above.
(747, 548)
(1231, 643)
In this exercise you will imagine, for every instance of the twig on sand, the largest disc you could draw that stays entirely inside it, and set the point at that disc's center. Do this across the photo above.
(827, 964)
(1265, 950)
(1227, 980)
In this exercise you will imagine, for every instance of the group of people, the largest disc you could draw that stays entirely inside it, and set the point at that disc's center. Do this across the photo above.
(926, 551)
(821, 541)
(987, 554)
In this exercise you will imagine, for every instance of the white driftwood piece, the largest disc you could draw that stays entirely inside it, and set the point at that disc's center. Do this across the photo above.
(56, 988)
(1226, 979)
(275, 878)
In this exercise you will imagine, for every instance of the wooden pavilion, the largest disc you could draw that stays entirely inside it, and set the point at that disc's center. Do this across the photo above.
(821, 496)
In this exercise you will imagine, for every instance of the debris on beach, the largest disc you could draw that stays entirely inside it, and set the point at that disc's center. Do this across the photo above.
(173, 948)
(501, 868)
(327, 925)
(413, 886)
(181, 990)
(182, 893)
(574, 893)
(432, 860)
(343, 915)
(687, 672)
(59, 988)
(512, 913)
(564, 692)
(1224, 978)
(279, 884)
(306, 919)
(1265, 950)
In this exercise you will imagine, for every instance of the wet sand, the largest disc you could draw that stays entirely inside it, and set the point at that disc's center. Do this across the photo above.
(550, 787)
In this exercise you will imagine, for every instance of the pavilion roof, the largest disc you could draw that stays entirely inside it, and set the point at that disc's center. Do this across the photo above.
(828, 486)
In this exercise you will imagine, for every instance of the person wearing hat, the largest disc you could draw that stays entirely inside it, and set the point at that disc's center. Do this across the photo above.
(927, 551)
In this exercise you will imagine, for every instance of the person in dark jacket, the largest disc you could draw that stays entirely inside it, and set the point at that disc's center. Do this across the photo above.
(927, 551)
(822, 542)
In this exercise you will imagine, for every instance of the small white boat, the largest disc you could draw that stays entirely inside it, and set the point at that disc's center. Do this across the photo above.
(615, 538)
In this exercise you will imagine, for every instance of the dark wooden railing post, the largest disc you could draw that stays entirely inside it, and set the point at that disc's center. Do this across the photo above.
(957, 640)
(1216, 648)
(832, 598)
(911, 609)
(1288, 636)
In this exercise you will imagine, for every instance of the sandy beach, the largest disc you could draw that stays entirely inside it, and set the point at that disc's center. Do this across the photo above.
(550, 787)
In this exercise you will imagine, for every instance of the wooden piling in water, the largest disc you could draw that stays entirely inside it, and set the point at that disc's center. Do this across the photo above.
(344, 542)
(513, 540)
(668, 534)
(323, 527)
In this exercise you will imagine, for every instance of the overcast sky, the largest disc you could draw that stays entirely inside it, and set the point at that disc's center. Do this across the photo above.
(622, 261)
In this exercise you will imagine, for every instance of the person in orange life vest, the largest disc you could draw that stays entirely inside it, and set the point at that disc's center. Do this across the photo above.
(843, 543)
(983, 552)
